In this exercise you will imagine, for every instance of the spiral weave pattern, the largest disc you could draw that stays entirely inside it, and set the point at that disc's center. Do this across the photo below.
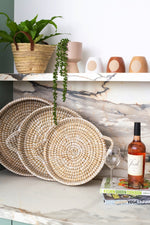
(33, 136)
(74, 152)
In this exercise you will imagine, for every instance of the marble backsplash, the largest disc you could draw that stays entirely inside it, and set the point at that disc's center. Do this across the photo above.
(111, 106)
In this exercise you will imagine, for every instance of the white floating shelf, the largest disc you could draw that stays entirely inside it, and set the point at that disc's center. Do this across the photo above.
(115, 77)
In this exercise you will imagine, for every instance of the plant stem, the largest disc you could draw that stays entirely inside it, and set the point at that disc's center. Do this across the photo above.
(60, 67)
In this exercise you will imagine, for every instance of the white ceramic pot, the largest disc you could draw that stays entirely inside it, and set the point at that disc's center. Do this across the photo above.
(94, 65)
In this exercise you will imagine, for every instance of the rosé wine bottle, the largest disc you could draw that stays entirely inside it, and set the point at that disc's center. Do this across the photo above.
(136, 160)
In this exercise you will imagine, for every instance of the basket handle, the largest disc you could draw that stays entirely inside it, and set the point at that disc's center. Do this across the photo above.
(39, 151)
(38, 148)
(28, 36)
(12, 144)
(110, 140)
(12, 141)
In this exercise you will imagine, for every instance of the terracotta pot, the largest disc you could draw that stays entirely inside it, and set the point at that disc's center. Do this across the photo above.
(116, 65)
(138, 64)
(74, 56)
(94, 65)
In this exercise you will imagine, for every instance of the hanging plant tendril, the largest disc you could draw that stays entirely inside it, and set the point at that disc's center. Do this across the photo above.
(60, 67)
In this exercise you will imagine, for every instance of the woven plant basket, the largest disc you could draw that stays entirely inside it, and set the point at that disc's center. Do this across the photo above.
(30, 57)
(75, 151)
(11, 117)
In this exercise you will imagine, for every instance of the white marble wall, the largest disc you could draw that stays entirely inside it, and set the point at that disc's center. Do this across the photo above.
(111, 106)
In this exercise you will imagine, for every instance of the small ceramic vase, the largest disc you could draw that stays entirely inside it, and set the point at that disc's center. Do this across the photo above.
(93, 65)
(74, 56)
(116, 65)
(138, 64)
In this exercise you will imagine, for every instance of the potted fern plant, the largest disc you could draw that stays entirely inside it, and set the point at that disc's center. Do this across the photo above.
(31, 52)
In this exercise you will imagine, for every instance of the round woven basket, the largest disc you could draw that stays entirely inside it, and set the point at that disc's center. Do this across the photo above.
(75, 151)
(11, 117)
(32, 138)
(30, 57)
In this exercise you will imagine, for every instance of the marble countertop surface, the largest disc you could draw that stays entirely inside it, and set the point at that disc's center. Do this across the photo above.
(34, 201)
(128, 77)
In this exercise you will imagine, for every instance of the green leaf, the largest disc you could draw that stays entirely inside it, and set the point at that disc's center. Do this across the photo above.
(2, 13)
(5, 36)
(23, 26)
(33, 21)
(52, 35)
(11, 24)
(38, 39)
(33, 34)
(40, 25)
(2, 40)
(27, 25)
(13, 27)
(55, 17)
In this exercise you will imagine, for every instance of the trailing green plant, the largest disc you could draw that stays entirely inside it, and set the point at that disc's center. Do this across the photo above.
(33, 27)
(60, 68)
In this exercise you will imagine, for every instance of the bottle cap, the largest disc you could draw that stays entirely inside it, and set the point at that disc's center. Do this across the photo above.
(137, 129)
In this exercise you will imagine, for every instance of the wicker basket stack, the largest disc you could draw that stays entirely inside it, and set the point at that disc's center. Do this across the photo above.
(72, 153)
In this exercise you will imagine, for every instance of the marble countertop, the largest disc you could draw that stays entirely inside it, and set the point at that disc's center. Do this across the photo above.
(34, 201)
(125, 77)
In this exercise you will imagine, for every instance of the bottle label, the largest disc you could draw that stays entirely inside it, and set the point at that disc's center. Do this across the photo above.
(135, 165)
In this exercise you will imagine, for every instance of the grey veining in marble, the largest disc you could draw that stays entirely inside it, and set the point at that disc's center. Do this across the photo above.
(115, 77)
(112, 107)
(90, 100)
(49, 77)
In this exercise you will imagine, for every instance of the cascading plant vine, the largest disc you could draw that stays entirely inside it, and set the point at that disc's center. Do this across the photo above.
(60, 68)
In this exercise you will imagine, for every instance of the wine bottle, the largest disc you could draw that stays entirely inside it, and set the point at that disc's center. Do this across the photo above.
(136, 159)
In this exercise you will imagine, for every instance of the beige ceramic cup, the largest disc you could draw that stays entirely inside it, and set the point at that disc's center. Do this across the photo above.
(138, 64)
(74, 56)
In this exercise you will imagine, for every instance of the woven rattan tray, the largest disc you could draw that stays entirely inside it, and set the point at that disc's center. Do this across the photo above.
(11, 117)
(33, 136)
(75, 151)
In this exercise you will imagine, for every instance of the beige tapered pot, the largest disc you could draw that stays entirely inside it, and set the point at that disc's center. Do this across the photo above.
(74, 56)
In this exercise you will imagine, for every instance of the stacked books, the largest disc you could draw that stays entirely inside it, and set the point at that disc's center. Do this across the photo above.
(119, 193)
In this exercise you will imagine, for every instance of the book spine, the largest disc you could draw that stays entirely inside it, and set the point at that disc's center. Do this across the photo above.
(116, 202)
(127, 202)
(124, 192)
(138, 202)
